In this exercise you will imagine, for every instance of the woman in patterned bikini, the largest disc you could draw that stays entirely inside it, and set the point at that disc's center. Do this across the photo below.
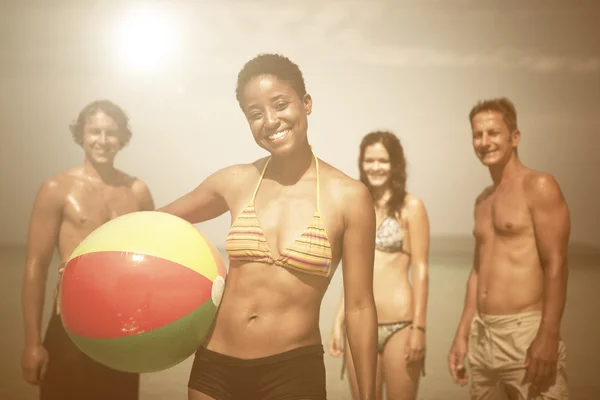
(402, 243)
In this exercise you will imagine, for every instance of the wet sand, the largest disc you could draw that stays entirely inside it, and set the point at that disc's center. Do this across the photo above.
(448, 274)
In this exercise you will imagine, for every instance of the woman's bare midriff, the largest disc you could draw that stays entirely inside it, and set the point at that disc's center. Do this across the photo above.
(392, 289)
(267, 310)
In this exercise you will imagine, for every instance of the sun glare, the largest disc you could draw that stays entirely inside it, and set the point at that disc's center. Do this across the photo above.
(147, 39)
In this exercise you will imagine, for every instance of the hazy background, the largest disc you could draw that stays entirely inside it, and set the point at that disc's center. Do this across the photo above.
(415, 67)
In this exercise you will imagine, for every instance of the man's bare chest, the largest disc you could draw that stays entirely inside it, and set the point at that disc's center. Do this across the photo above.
(91, 206)
(503, 214)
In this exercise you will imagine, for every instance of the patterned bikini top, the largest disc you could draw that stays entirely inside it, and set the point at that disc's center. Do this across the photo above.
(389, 236)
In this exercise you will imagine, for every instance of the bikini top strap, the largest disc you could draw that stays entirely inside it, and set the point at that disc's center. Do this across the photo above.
(262, 174)
(318, 185)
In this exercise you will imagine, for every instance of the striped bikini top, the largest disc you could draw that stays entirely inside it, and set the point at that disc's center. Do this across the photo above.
(310, 253)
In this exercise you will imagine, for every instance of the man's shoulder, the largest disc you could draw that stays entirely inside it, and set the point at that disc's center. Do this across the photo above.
(56, 188)
(138, 186)
(541, 186)
(61, 182)
(483, 195)
(134, 182)
(534, 180)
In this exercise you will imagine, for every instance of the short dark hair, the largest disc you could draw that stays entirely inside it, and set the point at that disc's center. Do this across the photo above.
(502, 105)
(110, 109)
(270, 64)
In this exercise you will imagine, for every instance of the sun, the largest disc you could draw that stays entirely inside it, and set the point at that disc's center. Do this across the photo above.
(147, 38)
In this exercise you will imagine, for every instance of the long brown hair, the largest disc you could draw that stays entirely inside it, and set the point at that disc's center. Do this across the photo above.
(397, 162)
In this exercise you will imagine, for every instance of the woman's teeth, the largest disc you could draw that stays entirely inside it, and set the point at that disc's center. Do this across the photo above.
(278, 135)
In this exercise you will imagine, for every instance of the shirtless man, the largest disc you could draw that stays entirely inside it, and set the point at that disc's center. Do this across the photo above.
(67, 208)
(516, 292)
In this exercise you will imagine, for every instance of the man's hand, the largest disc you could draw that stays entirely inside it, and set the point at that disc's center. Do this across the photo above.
(415, 346)
(456, 361)
(541, 359)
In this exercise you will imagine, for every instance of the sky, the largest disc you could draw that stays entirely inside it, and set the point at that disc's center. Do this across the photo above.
(415, 67)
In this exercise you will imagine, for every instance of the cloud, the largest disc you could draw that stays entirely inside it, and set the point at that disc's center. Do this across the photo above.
(366, 34)
(380, 33)
(355, 31)
(506, 58)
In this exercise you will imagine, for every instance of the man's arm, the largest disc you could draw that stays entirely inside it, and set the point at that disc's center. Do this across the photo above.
(359, 303)
(470, 302)
(458, 351)
(207, 201)
(44, 227)
(552, 227)
(142, 193)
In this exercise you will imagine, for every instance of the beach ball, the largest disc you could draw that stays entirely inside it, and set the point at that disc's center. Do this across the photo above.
(140, 293)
